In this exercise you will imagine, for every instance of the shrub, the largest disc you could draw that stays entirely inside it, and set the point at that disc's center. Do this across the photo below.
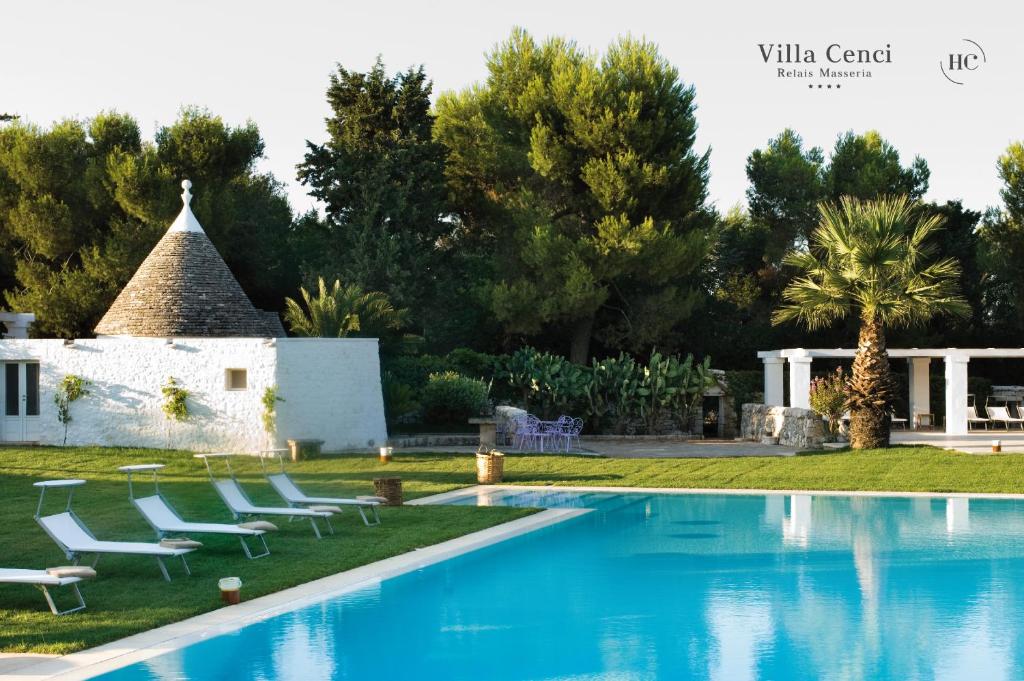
(449, 397)
(414, 370)
(71, 389)
(828, 398)
(611, 393)
(175, 404)
(546, 384)
(472, 363)
(399, 398)
(744, 387)
(269, 401)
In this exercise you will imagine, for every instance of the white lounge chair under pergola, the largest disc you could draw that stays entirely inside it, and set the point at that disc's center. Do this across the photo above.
(162, 517)
(75, 539)
(1002, 415)
(973, 419)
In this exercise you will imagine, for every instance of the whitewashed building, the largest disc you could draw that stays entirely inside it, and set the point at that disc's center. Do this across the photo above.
(184, 316)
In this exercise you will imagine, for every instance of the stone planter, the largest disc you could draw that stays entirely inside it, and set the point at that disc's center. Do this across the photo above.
(304, 449)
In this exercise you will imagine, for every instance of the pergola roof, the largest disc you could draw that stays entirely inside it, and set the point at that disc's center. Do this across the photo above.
(183, 288)
(848, 353)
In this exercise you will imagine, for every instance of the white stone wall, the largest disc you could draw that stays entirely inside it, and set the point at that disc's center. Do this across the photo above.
(124, 404)
(331, 387)
(331, 390)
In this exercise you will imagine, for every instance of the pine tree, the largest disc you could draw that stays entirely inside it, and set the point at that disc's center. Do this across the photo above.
(579, 176)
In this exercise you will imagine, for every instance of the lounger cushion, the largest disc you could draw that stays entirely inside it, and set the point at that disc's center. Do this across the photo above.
(259, 525)
(372, 499)
(180, 543)
(83, 571)
(325, 508)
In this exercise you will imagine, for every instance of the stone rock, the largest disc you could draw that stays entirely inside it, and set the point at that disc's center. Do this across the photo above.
(791, 426)
(506, 414)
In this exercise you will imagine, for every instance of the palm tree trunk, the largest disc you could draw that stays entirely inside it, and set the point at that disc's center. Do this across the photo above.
(871, 389)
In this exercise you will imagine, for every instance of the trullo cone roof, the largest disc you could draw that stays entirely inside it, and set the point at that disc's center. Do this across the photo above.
(183, 288)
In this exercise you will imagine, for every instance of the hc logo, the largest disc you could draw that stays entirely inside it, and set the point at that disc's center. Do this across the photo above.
(957, 64)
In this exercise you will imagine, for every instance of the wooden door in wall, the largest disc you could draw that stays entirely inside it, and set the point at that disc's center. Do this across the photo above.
(19, 401)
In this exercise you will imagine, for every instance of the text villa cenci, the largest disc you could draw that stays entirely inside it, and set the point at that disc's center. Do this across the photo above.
(797, 60)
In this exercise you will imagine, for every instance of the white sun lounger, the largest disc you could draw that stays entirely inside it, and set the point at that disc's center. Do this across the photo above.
(69, 533)
(42, 579)
(241, 506)
(1003, 414)
(162, 517)
(973, 418)
(295, 497)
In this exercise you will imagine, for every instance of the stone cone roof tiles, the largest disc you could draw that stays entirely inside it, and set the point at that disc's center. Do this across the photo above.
(183, 288)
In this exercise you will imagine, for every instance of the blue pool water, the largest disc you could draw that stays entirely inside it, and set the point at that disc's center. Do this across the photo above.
(652, 586)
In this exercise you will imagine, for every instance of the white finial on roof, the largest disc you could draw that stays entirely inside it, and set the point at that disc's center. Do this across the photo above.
(186, 221)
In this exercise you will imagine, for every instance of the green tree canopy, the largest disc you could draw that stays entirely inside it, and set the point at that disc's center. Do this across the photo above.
(1011, 171)
(786, 184)
(579, 175)
(83, 202)
(381, 177)
(342, 311)
(868, 167)
(1002, 246)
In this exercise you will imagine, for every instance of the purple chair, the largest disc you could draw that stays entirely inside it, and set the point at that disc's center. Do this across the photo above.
(573, 434)
(529, 433)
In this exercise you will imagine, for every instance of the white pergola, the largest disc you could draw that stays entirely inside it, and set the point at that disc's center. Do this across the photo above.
(918, 360)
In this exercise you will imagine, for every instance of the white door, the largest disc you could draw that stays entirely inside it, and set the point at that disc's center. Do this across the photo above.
(19, 399)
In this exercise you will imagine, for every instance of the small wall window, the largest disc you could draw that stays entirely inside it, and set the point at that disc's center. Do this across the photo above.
(236, 379)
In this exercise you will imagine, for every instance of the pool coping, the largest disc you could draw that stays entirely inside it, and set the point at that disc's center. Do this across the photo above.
(145, 645)
(464, 492)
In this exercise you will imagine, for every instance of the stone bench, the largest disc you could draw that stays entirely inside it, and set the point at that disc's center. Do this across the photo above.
(488, 429)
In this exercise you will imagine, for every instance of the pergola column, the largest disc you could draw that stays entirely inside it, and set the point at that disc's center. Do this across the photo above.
(956, 394)
(919, 401)
(800, 382)
(773, 381)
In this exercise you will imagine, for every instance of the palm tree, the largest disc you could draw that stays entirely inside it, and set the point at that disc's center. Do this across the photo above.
(873, 259)
(342, 311)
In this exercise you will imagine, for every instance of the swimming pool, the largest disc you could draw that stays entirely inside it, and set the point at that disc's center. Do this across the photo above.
(681, 586)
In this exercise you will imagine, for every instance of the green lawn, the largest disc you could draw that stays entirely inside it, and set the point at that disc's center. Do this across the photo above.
(129, 595)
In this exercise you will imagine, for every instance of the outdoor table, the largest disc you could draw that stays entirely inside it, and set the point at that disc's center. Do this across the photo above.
(488, 430)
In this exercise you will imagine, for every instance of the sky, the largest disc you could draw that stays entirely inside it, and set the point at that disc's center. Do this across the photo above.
(270, 62)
